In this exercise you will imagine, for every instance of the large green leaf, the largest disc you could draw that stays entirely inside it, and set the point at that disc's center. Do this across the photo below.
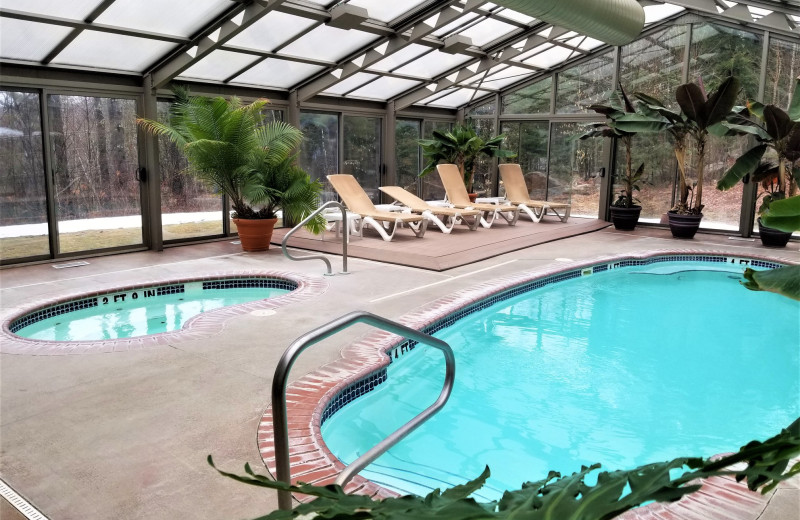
(783, 280)
(744, 165)
(783, 214)
(722, 101)
(778, 123)
(639, 123)
(692, 101)
(792, 148)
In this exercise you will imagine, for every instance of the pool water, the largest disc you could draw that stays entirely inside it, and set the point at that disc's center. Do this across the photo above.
(636, 365)
(139, 313)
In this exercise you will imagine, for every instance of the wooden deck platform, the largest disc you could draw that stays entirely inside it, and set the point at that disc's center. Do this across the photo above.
(439, 252)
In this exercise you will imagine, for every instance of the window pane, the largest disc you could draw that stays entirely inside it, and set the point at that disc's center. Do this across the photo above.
(274, 72)
(484, 166)
(783, 66)
(660, 169)
(319, 153)
(113, 51)
(95, 161)
(178, 17)
(574, 166)
(188, 207)
(654, 64)
(21, 40)
(432, 188)
(23, 212)
(584, 84)
(716, 53)
(271, 31)
(486, 109)
(317, 44)
(533, 99)
(362, 152)
(528, 139)
(407, 153)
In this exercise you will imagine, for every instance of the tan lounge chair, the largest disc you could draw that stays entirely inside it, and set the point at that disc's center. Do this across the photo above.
(458, 198)
(517, 194)
(357, 201)
(435, 214)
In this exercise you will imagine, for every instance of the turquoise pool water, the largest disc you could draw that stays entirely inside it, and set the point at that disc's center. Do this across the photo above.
(142, 311)
(635, 365)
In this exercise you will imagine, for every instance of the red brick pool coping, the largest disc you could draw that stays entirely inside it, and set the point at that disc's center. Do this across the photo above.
(201, 326)
(312, 462)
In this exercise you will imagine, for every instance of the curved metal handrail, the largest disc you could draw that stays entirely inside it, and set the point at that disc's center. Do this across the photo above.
(279, 381)
(305, 221)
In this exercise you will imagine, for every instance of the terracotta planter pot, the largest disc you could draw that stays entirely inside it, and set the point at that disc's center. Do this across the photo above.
(684, 226)
(472, 197)
(255, 234)
(771, 237)
(625, 219)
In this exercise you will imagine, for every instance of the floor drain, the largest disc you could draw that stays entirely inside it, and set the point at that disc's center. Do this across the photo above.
(70, 264)
(19, 503)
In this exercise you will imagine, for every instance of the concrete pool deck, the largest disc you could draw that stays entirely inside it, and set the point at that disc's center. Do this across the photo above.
(126, 434)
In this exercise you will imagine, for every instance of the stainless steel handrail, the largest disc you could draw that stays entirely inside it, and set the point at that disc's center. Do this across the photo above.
(345, 232)
(279, 381)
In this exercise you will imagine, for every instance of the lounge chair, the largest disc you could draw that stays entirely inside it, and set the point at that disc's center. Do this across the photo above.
(517, 193)
(458, 198)
(435, 214)
(357, 201)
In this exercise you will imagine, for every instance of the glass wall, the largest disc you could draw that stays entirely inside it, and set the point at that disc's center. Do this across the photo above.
(574, 169)
(660, 168)
(533, 99)
(783, 66)
(716, 53)
(432, 188)
(23, 207)
(189, 208)
(654, 64)
(362, 152)
(584, 84)
(528, 139)
(319, 153)
(407, 153)
(94, 153)
(485, 171)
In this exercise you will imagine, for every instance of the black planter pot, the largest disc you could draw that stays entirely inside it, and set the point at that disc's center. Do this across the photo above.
(772, 237)
(684, 226)
(625, 219)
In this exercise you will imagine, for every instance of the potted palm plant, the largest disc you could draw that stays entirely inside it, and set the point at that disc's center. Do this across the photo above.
(778, 131)
(624, 122)
(231, 150)
(699, 114)
(461, 146)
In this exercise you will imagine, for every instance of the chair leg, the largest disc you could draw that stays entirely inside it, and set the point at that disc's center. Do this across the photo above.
(531, 212)
(438, 222)
(418, 228)
(475, 221)
(378, 226)
(563, 217)
(488, 223)
(511, 209)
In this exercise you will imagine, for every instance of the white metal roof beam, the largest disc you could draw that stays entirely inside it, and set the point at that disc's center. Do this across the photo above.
(206, 45)
(417, 34)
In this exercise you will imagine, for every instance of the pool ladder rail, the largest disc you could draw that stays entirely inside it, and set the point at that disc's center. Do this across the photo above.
(345, 232)
(279, 383)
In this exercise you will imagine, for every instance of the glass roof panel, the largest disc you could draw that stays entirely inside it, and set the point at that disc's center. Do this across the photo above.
(271, 31)
(590, 43)
(655, 13)
(550, 57)
(455, 98)
(400, 57)
(346, 85)
(514, 15)
(277, 73)
(386, 11)
(323, 3)
(176, 17)
(501, 78)
(487, 31)
(219, 65)
(328, 43)
(113, 51)
(21, 40)
(536, 50)
(71, 10)
(432, 64)
(455, 24)
(383, 88)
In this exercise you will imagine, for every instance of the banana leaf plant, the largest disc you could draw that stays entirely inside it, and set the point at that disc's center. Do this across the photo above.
(700, 114)
(623, 122)
(461, 146)
(777, 130)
